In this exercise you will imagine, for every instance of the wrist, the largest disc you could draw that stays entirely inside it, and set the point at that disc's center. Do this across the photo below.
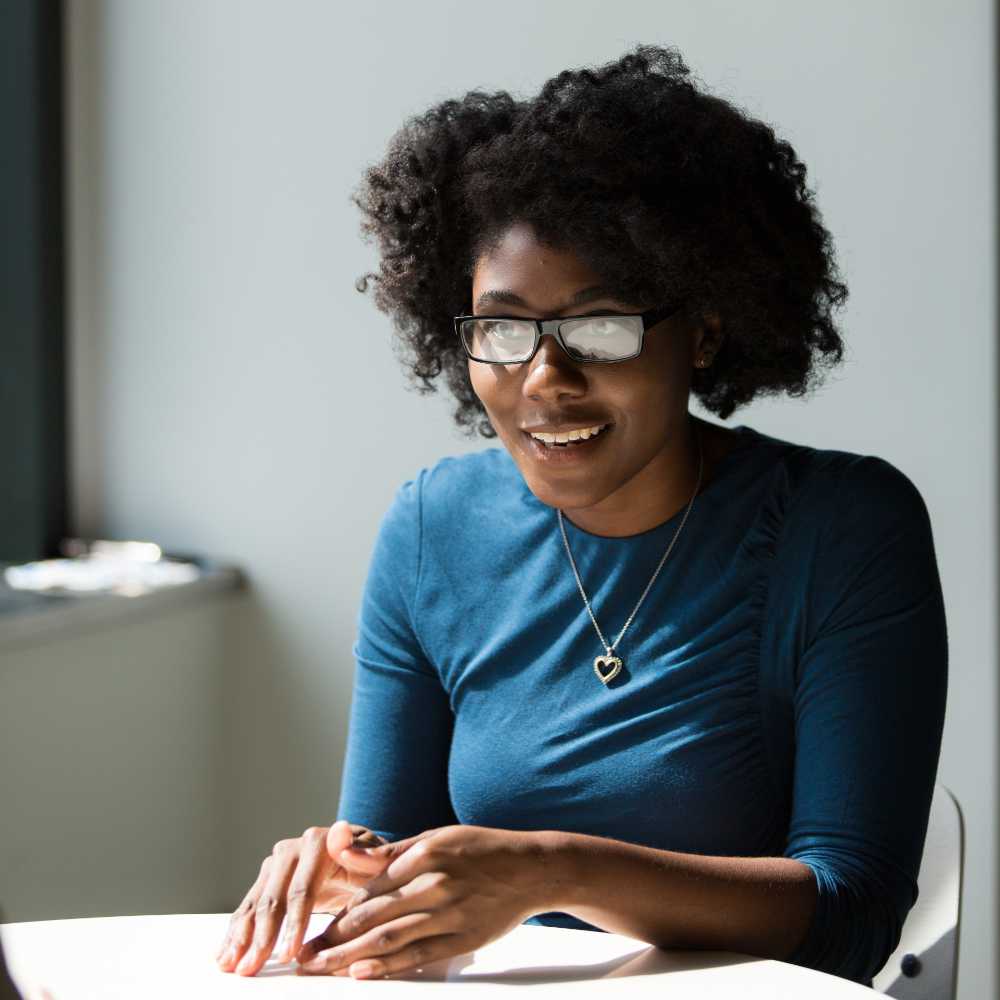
(551, 875)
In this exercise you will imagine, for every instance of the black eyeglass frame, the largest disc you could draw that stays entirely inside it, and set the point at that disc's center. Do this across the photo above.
(553, 325)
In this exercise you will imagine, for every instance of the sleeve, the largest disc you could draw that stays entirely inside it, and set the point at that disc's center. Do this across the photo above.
(395, 774)
(869, 710)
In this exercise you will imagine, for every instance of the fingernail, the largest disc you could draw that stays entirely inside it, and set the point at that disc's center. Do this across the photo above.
(317, 964)
(351, 852)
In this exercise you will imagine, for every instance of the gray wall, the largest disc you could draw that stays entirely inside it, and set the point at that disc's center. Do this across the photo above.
(233, 394)
(111, 765)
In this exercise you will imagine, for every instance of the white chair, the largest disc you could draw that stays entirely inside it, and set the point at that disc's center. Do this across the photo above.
(925, 965)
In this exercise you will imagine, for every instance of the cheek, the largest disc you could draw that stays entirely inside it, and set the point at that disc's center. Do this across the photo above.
(484, 385)
(644, 390)
(664, 381)
(492, 388)
(480, 381)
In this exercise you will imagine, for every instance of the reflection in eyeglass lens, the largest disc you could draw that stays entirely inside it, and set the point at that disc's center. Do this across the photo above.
(588, 338)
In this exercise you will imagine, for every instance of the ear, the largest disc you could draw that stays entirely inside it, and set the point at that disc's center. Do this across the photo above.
(708, 334)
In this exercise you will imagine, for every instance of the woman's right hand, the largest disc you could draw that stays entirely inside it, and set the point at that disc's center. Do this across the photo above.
(302, 875)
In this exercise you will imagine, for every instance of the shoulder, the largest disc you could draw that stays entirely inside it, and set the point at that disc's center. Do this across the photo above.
(457, 479)
(851, 540)
(453, 484)
(826, 486)
(434, 506)
(850, 533)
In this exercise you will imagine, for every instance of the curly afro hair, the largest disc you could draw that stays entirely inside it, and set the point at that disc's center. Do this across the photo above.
(667, 192)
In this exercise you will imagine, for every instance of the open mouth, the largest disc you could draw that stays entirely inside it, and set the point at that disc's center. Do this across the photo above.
(551, 450)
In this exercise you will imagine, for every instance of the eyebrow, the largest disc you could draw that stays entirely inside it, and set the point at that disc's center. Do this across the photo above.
(505, 297)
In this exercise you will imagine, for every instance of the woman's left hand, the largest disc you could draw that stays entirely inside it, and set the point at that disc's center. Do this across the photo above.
(445, 892)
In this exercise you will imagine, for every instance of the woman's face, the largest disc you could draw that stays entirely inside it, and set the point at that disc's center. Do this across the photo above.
(633, 470)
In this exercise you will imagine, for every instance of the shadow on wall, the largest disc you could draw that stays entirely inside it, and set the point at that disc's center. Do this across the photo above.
(284, 720)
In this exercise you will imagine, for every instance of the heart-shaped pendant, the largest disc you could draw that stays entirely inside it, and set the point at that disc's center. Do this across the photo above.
(603, 661)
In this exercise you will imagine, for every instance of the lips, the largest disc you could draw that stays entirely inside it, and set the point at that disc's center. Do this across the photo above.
(564, 426)
(568, 454)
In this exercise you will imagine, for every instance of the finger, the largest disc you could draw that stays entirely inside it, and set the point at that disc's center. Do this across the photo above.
(339, 836)
(381, 940)
(244, 910)
(240, 929)
(366, 838)
(352, 838)
(329, 937)
(270, 908)
(424, 893)
(375, 860)
(359, 865)
(403, 866)
(356, 849)
(396, 847)
(390, 849)
(313, 864)
(411, 957)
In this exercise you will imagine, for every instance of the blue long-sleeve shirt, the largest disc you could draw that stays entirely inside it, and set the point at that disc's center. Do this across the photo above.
(783, 692)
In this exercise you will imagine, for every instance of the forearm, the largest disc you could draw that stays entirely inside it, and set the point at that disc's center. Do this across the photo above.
(756, 906)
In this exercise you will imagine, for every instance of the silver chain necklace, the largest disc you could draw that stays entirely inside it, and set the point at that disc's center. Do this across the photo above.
(610, 660)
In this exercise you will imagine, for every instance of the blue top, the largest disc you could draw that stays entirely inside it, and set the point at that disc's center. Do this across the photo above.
(783, 691)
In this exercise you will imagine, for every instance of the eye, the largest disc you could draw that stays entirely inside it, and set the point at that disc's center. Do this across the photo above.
(505, 329)
(502, 327)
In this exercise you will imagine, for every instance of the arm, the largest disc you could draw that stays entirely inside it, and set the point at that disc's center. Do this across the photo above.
(869, 710)
(755, 906)
(395, 775)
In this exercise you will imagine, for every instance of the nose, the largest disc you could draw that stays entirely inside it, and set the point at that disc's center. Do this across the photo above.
(552, 373)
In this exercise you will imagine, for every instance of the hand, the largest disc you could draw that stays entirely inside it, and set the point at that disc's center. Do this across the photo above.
(301, 875)
(445, 892)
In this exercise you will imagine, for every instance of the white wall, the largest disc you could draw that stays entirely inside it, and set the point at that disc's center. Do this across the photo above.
(232, 393)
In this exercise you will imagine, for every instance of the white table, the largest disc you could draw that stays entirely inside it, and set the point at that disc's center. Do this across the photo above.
(173, 956)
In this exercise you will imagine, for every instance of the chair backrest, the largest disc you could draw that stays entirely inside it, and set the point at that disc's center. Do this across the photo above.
(925, 965)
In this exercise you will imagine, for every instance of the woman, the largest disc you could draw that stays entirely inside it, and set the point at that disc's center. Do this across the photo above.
(634, 671)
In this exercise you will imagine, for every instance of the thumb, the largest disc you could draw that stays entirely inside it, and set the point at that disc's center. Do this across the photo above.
(361, 860)
(338, 837)
(340, 847)
(377, 859)
(370, 860)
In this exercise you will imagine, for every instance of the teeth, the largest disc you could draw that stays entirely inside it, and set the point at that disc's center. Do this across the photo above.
(577, 435)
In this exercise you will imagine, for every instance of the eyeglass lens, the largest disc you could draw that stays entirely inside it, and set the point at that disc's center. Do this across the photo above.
(589, 338)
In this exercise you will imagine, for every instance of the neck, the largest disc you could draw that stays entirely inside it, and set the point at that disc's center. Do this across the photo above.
(660, 490)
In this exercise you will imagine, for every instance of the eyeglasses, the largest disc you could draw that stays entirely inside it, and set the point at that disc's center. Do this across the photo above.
(512, 340)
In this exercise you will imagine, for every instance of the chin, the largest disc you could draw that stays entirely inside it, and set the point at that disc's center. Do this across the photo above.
(565, 497)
